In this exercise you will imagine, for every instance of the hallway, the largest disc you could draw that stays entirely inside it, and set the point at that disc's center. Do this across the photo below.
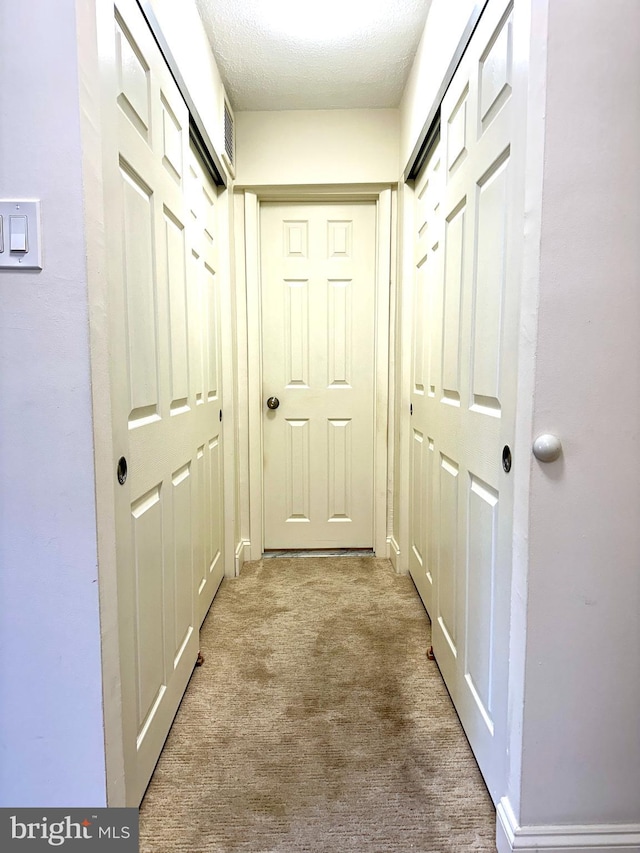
(316, 723)
(134, 404)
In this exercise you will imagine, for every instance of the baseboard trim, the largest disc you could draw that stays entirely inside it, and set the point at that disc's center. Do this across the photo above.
(242, 548)
(613, 838)
(393, 550)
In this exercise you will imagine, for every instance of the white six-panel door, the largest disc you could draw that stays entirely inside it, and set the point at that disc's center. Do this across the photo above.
(164, 339)
(318, 309)
(465, 333)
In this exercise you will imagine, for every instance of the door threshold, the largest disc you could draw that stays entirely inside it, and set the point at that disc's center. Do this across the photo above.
(337, 552)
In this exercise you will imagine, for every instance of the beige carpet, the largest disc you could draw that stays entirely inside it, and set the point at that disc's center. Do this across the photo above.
(316, 724)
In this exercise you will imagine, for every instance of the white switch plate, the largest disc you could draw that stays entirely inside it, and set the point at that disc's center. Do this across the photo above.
(32, 259)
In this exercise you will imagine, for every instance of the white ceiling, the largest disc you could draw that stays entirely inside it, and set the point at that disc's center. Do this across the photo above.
(313, 54)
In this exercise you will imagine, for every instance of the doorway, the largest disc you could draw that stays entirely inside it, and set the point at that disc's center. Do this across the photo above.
(318, 477)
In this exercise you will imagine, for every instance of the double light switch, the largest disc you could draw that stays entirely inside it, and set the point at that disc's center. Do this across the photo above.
(20, 235)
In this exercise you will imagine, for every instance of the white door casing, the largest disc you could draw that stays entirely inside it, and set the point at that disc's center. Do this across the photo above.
(165, 382)
(464, 384)
(381, 196)
(318, 338)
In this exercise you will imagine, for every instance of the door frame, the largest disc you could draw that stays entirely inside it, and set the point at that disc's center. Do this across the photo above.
(381, 195)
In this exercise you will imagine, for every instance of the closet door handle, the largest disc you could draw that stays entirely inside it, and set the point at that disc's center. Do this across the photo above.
(121, 471)
(547, 448)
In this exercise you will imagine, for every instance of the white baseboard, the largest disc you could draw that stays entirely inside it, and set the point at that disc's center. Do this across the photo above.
(613, 838)
(242, 549)
(393, 551)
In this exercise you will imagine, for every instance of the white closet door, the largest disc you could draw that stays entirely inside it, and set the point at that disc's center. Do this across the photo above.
(163, 328)
(206, 374)
(318, 307)
(425, 370)
(463, 385)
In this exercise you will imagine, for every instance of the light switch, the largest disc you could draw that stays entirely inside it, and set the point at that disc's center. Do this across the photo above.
(18, 234)
(20, 238)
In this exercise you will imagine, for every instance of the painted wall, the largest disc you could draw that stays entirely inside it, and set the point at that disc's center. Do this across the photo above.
(444, 26)
(183, 29)
(317, 147)
(580, 752)
(51, 721)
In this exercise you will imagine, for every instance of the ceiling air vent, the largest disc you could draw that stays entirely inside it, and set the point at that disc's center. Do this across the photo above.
(229, 138)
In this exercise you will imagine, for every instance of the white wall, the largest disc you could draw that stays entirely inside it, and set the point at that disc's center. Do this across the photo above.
(443, 29)
(580, 754)
(51, 722)
(317, 147)
(183, 29)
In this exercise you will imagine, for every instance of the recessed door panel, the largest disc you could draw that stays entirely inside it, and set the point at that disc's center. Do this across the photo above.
(481, 553)
(448, 552)
(488, 294)
(214, 561)
(495, 71)
(340, 496)
(147, 521)
(340, 332)
(177, 290)
(181, 566)
(133, 93)
(340, 239)
(201, 516)
(172, 142)
(296, 311)
(457, 132)
(140, 288)
(197, 324)
(297, 468)
(213, 336)
(418, 515)
(419, 305)
(452, 320)
(296, 239)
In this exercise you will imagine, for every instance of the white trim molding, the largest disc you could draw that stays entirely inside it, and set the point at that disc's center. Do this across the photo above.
(242, 549)
(613, 838)
(394, 554)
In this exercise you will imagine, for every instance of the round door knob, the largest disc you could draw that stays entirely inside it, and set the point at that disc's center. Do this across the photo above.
(273, 403)
(547, 448)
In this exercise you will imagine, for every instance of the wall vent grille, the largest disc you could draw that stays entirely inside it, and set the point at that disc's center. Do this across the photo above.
(228, 133)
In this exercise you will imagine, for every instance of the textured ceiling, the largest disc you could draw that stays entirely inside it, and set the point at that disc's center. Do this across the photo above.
(313, 54)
